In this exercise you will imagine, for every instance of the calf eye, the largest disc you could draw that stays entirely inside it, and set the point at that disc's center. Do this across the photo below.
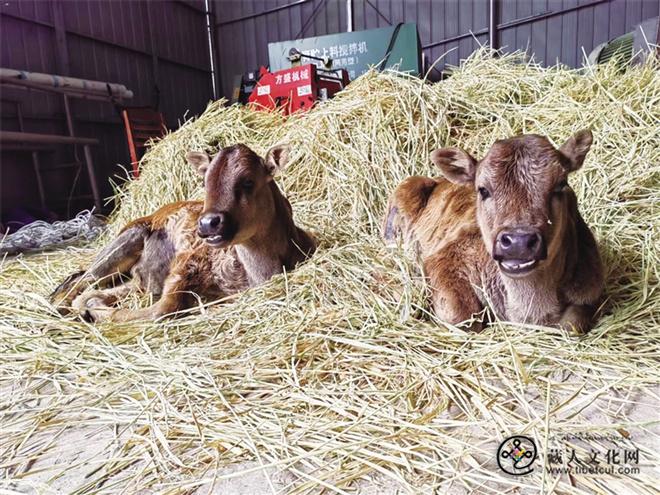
(247, 185)
(561, 187)
(484, 193)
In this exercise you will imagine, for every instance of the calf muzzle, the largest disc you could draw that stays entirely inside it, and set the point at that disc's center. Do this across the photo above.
(216, 228)
(518, 251)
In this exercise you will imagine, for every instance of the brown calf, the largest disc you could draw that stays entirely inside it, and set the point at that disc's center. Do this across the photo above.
(503, 230)
(238, 237)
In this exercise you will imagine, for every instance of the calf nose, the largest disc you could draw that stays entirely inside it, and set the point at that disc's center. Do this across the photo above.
(215, 224)
(519, 244)
(208, 224)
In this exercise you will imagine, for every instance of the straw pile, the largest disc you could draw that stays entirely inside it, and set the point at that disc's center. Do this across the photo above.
(335, 376)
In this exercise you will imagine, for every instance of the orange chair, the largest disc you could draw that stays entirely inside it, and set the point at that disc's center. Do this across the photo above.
(141, 124)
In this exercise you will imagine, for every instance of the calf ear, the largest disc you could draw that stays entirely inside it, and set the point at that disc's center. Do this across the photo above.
(277, 158)
(455, 164)
(576, 149)
(199, 160)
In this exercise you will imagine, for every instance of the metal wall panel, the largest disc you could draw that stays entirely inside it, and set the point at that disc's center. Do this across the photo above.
(163, 45)
(242, 40)
(449, 29)
(150, 47)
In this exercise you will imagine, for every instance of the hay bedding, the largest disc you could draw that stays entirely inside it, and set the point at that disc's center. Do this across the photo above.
(334, 377)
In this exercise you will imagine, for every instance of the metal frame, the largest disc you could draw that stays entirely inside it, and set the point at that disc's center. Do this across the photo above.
(36, 138)
(54, 139)
(73, 92)
(214, 54)
(349, 16)
(33, 153)
(493, 15)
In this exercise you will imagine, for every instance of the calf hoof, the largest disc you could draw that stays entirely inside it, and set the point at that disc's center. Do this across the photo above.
(475, 326)
(577, 320)
(62, 309)
(93, 307)
(63, 305)
(573, 329)
(98, 314)
(88, 317)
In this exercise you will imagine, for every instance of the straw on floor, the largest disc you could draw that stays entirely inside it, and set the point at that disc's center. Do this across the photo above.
(336, 373)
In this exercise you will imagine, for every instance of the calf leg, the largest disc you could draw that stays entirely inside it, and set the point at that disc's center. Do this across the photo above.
(176, 297)
(116, 258)
(453, 298)
(97, 298)
(180, 286)
(153, 267)
(578, 318)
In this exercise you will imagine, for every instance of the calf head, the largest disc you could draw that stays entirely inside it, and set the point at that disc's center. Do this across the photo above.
(239, 192)
(523, 199)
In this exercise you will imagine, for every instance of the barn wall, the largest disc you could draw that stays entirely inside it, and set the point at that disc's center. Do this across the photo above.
(242, 44)
(162, 44)
(153, 48)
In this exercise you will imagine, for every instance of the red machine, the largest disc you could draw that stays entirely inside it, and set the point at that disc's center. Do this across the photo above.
(297, 88)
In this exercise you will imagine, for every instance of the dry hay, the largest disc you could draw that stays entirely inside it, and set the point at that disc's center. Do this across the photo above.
(334, 374)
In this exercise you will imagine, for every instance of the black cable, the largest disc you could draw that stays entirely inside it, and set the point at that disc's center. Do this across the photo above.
(393, 38)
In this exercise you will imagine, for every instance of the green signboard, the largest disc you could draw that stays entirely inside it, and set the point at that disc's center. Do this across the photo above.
(356, 51)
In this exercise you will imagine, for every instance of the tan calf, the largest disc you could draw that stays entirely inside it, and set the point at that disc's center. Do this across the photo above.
(238, 237)
(506, 230)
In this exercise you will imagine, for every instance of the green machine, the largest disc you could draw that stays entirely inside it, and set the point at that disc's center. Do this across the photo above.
(631, 48)
(396, 47)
